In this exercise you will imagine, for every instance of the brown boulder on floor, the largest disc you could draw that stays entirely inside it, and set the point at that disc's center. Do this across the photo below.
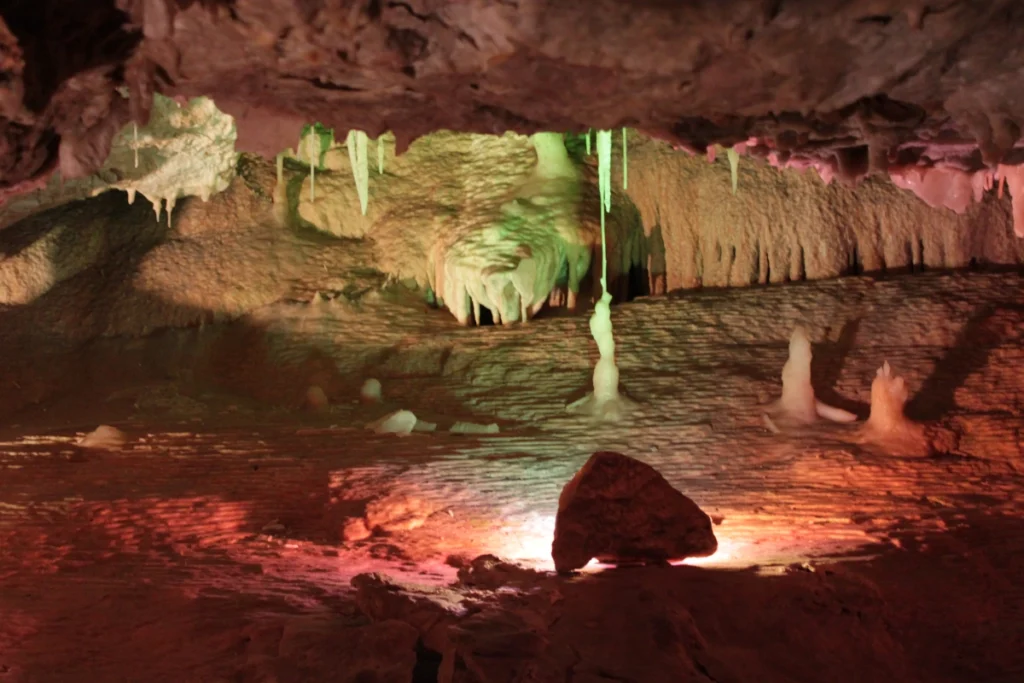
(622, 511)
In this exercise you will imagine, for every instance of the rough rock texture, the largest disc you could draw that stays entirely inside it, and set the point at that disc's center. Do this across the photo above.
(854, 85)
(94, 548)
(239, 251)
(468, 214)
(788, 226)
(837, 623)
(621, 511)
(185, 150)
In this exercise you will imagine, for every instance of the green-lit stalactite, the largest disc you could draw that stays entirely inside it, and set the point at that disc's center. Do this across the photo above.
(606, 374)
(313, 145)
(380, 154)
(587, 136)
(356, 144)
(625, 162)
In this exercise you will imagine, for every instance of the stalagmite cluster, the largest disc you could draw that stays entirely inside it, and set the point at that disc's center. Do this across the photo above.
(887, 426)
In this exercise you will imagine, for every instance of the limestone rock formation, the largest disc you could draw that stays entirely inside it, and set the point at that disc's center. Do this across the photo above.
(486, 223)
(186, 150)
(888, 426)
(787, 225)
(621, 511)
(850, 86)
(798, 403)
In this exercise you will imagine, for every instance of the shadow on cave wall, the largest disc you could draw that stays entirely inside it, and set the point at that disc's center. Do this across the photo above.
(827, 367)
(984, 331)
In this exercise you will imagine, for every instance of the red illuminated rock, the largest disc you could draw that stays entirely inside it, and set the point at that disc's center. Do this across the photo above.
(622, 511)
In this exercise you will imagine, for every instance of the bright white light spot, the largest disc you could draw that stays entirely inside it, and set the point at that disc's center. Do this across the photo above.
(529, 542)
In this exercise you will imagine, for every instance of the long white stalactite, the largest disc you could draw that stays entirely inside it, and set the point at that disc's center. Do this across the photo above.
(605, 402)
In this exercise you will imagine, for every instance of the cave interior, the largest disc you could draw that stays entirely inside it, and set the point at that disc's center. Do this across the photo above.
(519, 341)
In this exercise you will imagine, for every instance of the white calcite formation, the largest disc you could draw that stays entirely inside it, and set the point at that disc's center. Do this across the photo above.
(401, 422)
(184, 151)
(511, 266)
(798, 403)
(104, 438)
(604, 402)
(371, 391)
(888, 426)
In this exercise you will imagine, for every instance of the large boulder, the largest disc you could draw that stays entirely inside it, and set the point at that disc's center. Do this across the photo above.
(622, 511)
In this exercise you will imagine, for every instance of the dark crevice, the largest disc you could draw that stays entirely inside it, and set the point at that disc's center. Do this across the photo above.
(856, 267)
(880, 19)
(324, 85)
(428, 664)
(408, 8)
(639, 283)
(486, 317)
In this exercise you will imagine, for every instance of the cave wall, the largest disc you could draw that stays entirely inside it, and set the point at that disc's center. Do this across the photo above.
(447, 190)
(100, 267)
(788, 225)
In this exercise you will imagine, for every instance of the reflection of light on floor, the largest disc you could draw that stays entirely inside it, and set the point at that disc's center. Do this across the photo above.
(730, 553)
(766, 542)
(528, 542)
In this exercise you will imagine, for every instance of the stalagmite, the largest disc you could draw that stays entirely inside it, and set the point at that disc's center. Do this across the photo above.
(887, 426)
(734, 167)
(356, 143)
(798, 403)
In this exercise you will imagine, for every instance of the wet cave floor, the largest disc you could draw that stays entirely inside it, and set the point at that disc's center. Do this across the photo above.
(200, 550)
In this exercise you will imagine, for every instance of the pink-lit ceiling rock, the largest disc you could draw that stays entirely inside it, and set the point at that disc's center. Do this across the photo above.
(850, 85)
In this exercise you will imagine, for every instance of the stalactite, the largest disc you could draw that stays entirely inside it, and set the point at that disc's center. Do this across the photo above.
(171, 201)
(380, 154)
(605, 402)
(135, 143)
(625, 162)
(734, 167)
(587, 136)
(356, 143)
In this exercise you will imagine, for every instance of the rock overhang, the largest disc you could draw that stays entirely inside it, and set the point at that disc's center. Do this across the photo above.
(850, 87)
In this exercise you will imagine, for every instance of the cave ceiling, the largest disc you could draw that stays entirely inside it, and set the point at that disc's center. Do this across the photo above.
(857, 85)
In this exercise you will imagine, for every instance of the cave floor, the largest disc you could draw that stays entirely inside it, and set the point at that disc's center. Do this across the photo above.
(192, 553)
